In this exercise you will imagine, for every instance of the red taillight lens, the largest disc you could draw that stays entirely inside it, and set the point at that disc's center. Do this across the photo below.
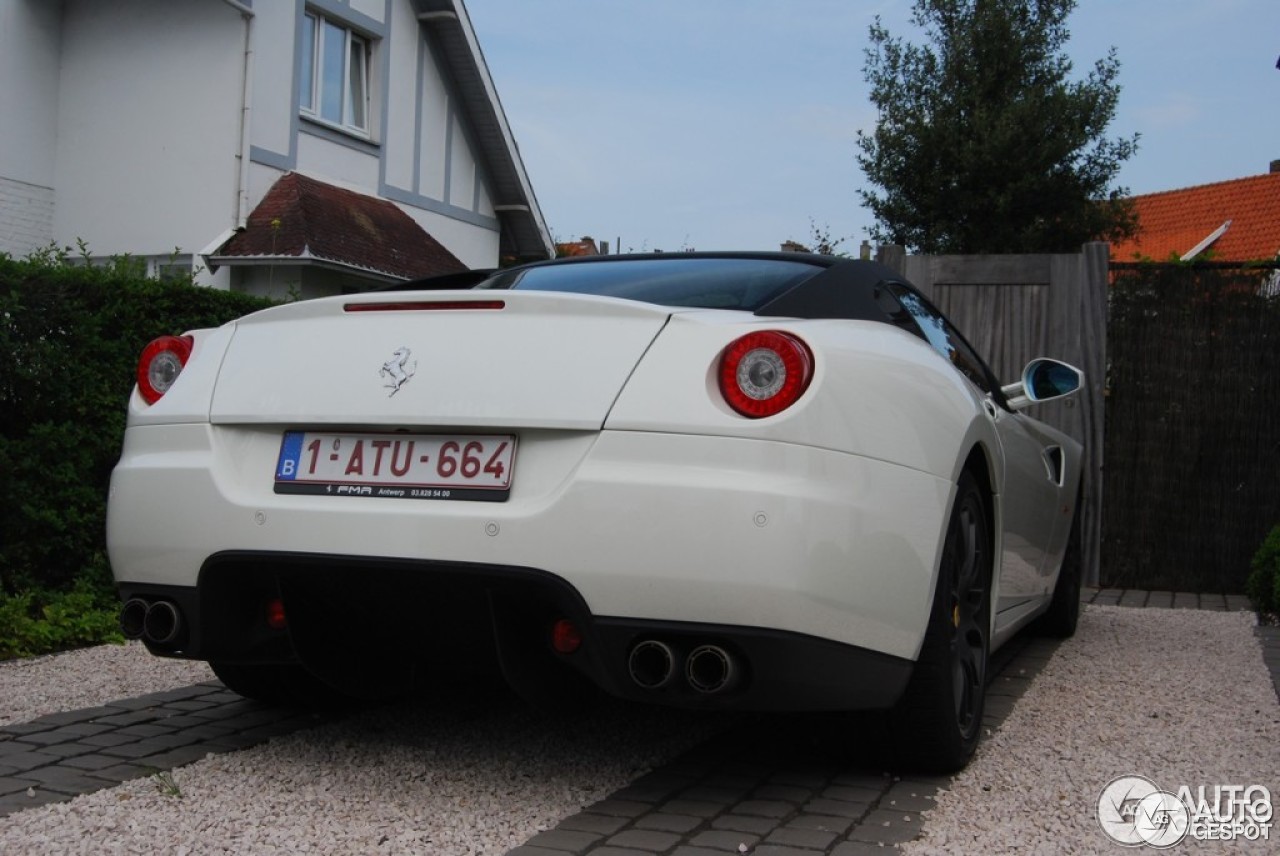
(765, 373)
(161, 363)
(276, 619)
(566, 638)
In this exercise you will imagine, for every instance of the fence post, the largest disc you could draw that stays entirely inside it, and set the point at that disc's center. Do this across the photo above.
(1083, 310)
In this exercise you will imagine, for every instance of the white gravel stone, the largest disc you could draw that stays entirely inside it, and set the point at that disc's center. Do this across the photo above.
(88, 678)
(476, 773)
(1178, 696)
(1181, 697)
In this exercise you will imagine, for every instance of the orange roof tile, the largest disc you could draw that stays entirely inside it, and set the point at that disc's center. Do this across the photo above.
(1173, 222)
(572, 249)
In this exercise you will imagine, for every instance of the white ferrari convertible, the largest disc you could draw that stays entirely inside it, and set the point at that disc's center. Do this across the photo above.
(757, 481)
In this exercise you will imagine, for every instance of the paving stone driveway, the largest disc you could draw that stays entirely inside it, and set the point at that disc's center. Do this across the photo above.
(775, 786)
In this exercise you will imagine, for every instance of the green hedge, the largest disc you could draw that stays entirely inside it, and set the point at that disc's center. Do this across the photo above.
(70, 337)
(1263, 585)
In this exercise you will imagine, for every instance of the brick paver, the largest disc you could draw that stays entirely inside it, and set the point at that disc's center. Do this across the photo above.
(61, 755)
(763, 789)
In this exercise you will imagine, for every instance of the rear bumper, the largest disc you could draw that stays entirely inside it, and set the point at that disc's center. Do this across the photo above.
(665, 528)
(410, 619)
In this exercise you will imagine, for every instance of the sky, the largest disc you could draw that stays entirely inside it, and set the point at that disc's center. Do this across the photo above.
(731, 124)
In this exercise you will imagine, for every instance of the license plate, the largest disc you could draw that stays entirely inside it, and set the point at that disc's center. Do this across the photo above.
(405, 466)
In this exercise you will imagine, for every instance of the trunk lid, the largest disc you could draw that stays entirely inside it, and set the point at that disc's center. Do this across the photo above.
(463, 358)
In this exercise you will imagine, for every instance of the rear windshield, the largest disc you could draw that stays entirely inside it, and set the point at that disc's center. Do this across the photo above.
(703, 283)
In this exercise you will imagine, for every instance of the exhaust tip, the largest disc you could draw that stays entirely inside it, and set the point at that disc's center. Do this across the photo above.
(133, 616)
(162, 623)
(651, 664)
(710, 669)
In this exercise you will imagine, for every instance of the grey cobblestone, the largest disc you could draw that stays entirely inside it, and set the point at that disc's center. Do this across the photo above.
(588, 822)
(723, 839)
(696, 808)
(814, 839)
(645, 840)
(564, 840)
(669, 822)
(821, 823)
(777, 793)
(761, 826)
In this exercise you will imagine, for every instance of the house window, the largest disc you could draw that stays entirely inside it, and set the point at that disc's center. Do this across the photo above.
(334, 74)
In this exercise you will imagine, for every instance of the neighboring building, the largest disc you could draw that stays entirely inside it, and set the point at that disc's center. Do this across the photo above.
(301, 147)
(1235, 221)
(585, 246)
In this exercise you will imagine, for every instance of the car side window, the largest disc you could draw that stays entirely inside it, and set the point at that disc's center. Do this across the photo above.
(935, 329)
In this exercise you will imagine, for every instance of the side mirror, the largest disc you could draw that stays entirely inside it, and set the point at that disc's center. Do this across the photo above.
(1043, 380)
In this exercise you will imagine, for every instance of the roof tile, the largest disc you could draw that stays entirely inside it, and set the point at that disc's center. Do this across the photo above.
(301, 216)
(1175, 221)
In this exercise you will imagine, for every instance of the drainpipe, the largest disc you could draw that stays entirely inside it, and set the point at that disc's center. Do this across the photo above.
(242, 181)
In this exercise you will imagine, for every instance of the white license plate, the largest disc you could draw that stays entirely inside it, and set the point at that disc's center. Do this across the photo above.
(407, 466)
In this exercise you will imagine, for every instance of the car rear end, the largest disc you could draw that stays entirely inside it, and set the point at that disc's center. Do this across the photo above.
(391, 487)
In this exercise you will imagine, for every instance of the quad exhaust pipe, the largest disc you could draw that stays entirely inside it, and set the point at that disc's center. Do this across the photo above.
(652, 663)
(158, 622)
(708, 669)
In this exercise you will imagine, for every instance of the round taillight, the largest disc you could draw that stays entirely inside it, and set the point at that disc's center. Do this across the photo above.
(161, 363)
(765, 373)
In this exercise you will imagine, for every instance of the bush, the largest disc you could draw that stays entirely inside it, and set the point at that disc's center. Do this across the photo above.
(1263, 585)
(70, 337)
(42, 621)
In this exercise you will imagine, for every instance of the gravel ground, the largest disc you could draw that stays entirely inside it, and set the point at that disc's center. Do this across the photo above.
(1178, 696)
(476, 773)
(87, 678)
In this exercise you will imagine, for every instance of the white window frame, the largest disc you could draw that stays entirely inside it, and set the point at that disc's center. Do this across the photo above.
(355, 81)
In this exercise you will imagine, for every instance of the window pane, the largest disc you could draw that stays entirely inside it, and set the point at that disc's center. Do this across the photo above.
(356, 73)
(332, 54)
(307, 64)
(707, 283)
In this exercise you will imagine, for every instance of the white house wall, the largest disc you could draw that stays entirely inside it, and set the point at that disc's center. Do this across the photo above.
(419, 156)
(148, 124)
(29, 39)
(273, 115)
(131, 132)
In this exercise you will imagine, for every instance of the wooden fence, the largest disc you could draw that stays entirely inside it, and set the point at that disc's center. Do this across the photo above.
(1015, 308)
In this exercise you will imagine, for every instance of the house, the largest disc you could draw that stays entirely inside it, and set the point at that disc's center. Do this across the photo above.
(1230, 221)
(584, 246)
(303, 147)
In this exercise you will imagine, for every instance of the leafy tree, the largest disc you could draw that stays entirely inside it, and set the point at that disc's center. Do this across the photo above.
(983, 143)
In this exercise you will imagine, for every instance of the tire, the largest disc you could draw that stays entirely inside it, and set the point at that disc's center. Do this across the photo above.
(281, 685)
(1064, 609)
(937, 722)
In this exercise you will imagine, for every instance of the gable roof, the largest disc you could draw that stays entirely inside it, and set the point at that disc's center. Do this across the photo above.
(573, 249)
(302, 220)
(524, 234)
(1175, 222)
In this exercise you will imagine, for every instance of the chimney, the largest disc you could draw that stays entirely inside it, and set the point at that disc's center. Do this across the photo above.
(1275, 166)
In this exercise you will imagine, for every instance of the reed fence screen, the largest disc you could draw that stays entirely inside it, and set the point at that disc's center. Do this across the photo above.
(1192, 421)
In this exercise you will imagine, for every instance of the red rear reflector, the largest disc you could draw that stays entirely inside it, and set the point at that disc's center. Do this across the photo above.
(424, 305)
(764, 373)
(565, 637)
(162, 361)
(275, 614)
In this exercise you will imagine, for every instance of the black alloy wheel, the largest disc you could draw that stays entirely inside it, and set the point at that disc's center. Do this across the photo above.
(938, 720)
